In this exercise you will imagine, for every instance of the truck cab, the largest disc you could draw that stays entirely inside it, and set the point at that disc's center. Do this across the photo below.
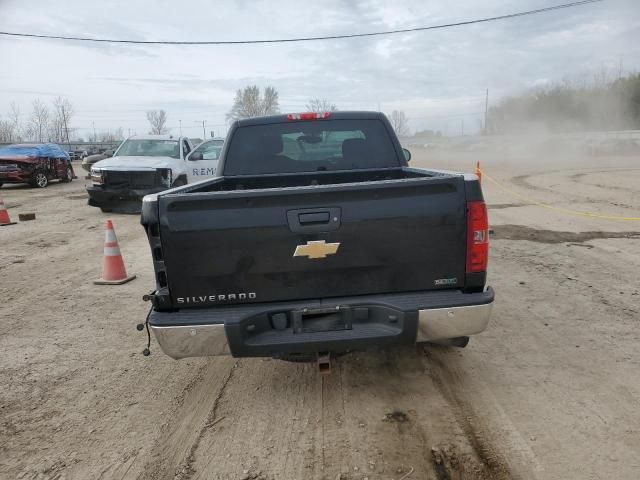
(143, 164)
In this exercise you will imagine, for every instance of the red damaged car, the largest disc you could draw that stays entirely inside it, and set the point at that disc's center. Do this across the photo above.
(35, 164)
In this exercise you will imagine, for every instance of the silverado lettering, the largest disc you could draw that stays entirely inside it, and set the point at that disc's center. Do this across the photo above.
(219, 298)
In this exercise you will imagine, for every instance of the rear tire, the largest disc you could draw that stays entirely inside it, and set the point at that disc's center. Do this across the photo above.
(106, 210)
(68, 176)
(39, 180)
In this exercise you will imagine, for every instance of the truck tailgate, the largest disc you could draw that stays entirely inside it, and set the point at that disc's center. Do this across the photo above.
(229, 247)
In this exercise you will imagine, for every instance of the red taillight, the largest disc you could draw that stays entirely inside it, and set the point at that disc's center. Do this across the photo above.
(308, 116)
(477, 237)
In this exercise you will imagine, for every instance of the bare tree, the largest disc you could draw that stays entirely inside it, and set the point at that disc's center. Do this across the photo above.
(14, 118)
(270, 102)
(249, 103)
(118, 134)
(111, 136)
(39, 120)
(6, 131)
(320, 105)
(399, 123)
(158, 120)
(62, 112)
(9, 127)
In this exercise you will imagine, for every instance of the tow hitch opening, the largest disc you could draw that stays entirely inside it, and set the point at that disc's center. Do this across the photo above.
(324, 363)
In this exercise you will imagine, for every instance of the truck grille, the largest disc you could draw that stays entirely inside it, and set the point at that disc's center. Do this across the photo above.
(134, 180)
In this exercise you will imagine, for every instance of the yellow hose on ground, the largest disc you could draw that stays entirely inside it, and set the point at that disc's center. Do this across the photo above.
(557, 209)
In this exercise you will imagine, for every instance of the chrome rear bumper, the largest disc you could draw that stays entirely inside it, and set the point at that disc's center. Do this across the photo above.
(192, 341)
(446, 323)
(202, 339)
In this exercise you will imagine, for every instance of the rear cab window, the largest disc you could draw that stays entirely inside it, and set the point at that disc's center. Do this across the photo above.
(310, 146)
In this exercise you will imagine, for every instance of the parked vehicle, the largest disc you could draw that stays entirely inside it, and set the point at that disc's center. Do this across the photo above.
(80, 153)
(36, 164)
(317, 238)
(90, 160)
(142, 164)
(209, 150)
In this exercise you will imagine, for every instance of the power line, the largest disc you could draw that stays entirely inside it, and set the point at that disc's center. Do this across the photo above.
(306, 39)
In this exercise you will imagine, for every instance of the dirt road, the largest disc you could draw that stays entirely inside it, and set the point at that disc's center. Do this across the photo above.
(550, 391)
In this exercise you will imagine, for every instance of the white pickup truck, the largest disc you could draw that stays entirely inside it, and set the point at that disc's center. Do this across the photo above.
(146, 164)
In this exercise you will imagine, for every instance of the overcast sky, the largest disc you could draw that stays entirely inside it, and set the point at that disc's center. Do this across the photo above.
(437, 77)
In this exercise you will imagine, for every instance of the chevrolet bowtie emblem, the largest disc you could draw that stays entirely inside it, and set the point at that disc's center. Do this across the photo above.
(316, 249)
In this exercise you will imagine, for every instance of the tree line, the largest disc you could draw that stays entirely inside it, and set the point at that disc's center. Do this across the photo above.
(598, 105)
(46, 123)
(250, 102)
(52, 123)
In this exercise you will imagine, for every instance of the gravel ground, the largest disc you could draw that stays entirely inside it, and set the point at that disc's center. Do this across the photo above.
(550, 391)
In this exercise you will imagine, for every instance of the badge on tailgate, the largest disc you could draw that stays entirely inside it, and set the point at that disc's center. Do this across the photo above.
(316, 249)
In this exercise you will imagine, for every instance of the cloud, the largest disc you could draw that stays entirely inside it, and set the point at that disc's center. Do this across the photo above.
(428, 74)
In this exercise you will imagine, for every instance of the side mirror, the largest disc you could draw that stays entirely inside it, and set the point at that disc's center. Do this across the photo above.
(194, 156)
(108, 153)
(407, 154)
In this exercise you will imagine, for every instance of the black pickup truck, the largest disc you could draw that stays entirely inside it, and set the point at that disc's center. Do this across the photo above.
(317, 238)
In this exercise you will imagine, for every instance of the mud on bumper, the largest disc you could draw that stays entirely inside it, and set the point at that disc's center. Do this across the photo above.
(335, 325)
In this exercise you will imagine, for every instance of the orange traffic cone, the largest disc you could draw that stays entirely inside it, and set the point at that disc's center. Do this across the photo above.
(4, 215)
(478, 171)
(113, 271)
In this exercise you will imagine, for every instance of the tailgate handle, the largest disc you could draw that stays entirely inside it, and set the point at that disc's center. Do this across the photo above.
(310, 218)
(314, 220)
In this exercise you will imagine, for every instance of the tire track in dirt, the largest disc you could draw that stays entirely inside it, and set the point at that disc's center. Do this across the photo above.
(492, 464)
(522, 180)
(185, 470)
(502, 452)
(580, 179)
(379, 415)
(192, 413)
(399, 423)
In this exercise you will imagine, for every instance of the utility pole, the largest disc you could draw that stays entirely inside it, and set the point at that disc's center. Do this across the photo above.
(180, 127)
(462, 127)
(204, 132)
(486, 111)
(95, 137)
